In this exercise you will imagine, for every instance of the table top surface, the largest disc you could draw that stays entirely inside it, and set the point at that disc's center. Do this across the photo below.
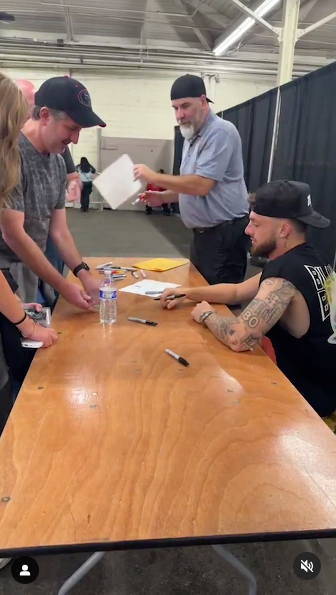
(112, 443)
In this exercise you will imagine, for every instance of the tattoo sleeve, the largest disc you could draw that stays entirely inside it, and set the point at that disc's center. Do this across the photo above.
(243, 332)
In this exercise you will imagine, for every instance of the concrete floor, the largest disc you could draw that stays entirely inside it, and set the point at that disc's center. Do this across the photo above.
(195, 570)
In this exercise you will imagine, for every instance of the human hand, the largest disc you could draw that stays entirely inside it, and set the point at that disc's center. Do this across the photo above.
(76, 296)
(32, 306)
(73, 191)
(92, 285)
(169, 304)
(144, 173)
(48, 335)
(200, 309)
(151, 198)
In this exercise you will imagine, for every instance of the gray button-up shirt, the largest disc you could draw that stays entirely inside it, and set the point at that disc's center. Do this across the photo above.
(214, 153)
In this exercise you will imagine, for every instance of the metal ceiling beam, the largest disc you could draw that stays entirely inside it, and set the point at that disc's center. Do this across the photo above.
(195, 18)
(317, 25)
(288, 37)
(306, 9)
(68, 21)
(255, 17)
(143, 32)
(209, 12)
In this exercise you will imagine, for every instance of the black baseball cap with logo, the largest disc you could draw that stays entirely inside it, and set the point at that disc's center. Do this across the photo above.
(70, 96)
(287, 200)
(188, 85)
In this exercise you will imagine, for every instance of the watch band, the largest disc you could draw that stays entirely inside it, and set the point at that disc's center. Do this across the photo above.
(80, 267)
(206, 315)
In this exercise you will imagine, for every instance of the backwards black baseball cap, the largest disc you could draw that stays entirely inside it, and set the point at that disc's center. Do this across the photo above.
(287, 200)
(188, 85)
(70, 96)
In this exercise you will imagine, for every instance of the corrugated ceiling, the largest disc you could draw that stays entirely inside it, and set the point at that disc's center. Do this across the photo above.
(182, 25)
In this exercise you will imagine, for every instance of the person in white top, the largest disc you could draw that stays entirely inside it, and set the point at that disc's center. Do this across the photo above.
(85, 171)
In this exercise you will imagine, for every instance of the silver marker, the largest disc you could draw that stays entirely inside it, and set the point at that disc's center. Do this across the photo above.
(178, 358)
(142, 321)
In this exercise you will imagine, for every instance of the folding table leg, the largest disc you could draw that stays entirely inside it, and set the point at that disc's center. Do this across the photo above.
(81, 572)
(235, 563)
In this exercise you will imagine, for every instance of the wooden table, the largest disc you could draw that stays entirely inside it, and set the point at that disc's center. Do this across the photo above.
(112, 444)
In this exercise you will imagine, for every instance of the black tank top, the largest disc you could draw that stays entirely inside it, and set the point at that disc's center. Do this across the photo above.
(309, 362)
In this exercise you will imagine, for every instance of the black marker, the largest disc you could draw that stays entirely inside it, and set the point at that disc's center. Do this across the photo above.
(178, 358)
(142, 321)
(172, 297)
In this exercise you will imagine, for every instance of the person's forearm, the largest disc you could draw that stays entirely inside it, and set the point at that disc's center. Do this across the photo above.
(11, 307)
(74, 177)
(190, 184)
(170, 196)
(66, 248)
(224, 293)
(65, 245)
(28, 251)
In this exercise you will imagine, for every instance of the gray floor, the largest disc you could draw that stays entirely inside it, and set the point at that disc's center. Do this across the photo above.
(196, 570)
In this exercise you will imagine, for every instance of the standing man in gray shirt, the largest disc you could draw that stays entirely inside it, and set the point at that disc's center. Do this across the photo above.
(211, 191)
(37, 208)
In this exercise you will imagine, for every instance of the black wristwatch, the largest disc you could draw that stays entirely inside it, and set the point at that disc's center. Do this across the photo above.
(80, 267)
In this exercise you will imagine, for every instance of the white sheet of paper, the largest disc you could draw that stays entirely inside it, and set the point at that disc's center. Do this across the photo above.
(141, 287)
(116, 183)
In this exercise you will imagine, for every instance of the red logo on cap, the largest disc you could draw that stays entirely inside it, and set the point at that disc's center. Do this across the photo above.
(84, 98)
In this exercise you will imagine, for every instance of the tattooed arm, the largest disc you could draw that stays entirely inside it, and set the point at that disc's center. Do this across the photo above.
(243, 332)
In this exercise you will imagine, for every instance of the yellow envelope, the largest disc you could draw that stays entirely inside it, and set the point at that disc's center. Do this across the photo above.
(160, 264)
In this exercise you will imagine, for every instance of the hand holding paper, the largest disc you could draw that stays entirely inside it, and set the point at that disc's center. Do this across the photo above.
(116, 183)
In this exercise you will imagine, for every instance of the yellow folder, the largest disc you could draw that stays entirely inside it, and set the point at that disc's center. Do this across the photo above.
(160, 264)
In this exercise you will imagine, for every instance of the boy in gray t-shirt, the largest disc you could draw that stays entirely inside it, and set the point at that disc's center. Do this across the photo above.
(62, 108)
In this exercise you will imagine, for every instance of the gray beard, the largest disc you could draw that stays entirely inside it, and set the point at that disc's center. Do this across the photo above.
(187, 131)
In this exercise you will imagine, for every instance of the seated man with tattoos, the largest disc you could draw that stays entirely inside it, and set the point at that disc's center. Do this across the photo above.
(289, 302)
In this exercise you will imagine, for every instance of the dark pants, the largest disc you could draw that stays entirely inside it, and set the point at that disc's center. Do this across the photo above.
(18, 358)
(6, 404)
(165, 208)
(85, 196)
(220, 253)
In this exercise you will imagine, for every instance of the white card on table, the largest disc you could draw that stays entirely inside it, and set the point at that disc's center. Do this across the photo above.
(140, 288)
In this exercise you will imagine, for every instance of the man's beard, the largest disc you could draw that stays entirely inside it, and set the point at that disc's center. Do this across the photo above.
(187, 131)
(264, 249)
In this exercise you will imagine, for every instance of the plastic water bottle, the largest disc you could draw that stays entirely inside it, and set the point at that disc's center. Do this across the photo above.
(108, 299)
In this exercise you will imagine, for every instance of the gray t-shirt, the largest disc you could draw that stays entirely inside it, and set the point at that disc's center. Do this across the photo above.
(214, 153)
(41, 190)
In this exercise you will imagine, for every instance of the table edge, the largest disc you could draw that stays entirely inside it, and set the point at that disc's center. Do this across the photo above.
(169, 542)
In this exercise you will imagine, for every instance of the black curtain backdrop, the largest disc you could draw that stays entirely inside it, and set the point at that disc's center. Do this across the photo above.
(178, 146)
(254, 120)
(306, 147)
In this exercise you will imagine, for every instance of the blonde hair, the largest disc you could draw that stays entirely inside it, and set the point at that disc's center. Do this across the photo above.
(13, 110)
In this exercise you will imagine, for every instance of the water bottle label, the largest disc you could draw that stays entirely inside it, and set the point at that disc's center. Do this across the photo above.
(107, 293)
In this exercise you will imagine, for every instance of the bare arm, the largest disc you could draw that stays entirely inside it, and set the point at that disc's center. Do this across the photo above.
(18, 240)
(189, 184)
(170, 196)
(223, 293)
(74, 176)
(63, 240)
(243, 332)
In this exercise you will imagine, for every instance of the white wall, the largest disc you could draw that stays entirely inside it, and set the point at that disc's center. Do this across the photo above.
(137, 104)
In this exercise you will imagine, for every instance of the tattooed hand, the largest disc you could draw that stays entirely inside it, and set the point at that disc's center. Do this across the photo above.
(245, 331)
(200, 309)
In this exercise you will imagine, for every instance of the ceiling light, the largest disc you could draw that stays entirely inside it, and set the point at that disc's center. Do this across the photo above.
(264, 8)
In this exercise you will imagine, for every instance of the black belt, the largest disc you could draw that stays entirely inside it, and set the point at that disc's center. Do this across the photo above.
(223, 224)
